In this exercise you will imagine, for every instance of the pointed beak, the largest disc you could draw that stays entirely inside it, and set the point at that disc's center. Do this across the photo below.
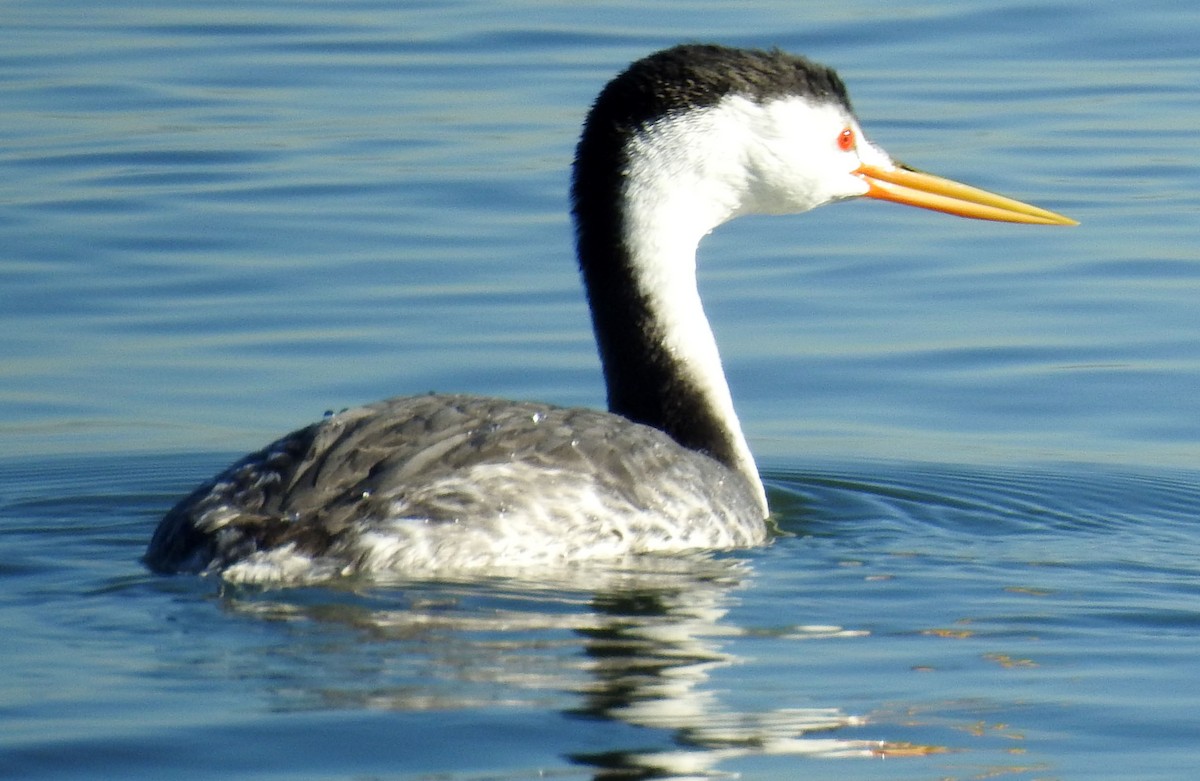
(916, 188)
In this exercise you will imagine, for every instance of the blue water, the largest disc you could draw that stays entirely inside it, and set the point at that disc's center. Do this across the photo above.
(219, 219)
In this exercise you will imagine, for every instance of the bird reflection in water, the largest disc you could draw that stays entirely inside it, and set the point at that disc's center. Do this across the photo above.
(635, 645)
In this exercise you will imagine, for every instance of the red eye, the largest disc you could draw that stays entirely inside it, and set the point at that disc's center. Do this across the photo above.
(846, 140)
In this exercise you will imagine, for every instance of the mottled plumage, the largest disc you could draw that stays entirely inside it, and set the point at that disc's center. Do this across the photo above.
(440, 484)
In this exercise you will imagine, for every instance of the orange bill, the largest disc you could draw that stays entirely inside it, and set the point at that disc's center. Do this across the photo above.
(916, 188)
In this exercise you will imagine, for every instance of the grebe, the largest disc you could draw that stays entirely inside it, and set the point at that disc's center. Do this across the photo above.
(681, 142)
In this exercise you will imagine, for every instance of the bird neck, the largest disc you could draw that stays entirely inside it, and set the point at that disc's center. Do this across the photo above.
(637, 233)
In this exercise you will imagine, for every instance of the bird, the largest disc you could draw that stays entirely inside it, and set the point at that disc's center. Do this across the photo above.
(443, 485)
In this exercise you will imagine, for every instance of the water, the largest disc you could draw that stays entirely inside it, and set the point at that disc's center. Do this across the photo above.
(221, 219)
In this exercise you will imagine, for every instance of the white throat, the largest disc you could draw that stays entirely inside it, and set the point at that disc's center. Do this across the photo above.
(672, 201)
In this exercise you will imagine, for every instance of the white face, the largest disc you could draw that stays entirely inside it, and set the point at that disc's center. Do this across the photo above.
(800, 154)
(692, 172)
